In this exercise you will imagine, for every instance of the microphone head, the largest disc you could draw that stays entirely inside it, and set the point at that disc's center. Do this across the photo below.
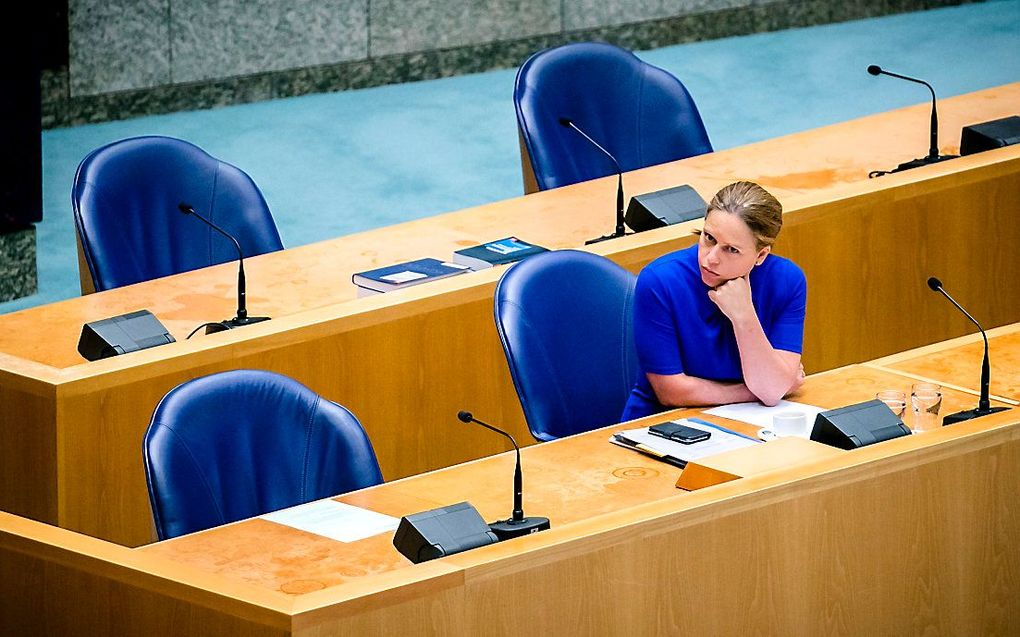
(465, 416)
(934, 284)
(565, 121)
(874, 69)
(185, 208)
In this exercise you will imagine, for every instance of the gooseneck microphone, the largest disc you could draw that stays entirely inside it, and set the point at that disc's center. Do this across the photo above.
(517, 525)
(933, 149)
(620, 228)
(242, 317)
(984, 407)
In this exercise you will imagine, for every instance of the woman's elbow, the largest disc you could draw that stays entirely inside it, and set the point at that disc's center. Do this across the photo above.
(771, 393)
(769, 396)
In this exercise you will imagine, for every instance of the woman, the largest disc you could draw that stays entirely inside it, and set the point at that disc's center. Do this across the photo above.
(722, 321)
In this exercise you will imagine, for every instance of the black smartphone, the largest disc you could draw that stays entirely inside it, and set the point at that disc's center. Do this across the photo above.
(679, 433)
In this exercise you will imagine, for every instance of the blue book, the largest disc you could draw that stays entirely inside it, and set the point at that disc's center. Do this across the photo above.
(405, 275)
(487, 255)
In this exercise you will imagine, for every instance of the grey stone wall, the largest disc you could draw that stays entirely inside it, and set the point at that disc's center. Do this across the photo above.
(135, 57)
(18, 273)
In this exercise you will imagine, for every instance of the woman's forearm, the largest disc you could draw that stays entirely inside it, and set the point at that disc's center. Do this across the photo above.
(769, 374)
(681, 390)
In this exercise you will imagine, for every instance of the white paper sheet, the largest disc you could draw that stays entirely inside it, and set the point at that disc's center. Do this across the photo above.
(759, 415)
(335, 520)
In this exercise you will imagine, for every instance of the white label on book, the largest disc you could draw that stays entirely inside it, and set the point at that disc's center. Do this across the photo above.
(335, 520)
(507, 246)
(403, 277)
(458, 266)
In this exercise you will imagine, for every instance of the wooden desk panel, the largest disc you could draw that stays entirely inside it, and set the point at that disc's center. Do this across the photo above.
(913, 535)
(412, 359)
(568, 480)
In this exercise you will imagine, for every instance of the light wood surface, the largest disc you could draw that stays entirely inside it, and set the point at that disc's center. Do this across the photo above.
(408, 361)
(959, 361)
(915, 535)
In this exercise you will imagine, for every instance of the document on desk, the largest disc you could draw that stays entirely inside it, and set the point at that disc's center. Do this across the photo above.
(679, 454)
(335, 520)
(759, 415)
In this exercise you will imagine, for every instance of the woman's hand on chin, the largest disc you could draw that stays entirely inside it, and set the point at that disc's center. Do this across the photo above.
(734, 299)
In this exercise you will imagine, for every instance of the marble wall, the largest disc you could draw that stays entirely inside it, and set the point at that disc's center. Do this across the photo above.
(18, 273)
(136, 57)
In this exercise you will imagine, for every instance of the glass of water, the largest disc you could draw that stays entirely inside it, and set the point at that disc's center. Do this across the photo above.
(895, 400)
(926, 399)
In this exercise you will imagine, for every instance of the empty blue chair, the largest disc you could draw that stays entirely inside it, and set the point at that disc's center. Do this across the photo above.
(242, 443)
(640, 113)
(565, 319)
(125, 199)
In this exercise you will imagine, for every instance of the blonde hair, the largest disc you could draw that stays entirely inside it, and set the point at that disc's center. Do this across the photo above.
(755, 206)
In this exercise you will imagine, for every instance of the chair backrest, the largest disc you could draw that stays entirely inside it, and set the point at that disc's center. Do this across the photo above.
(640, 113)
(125, 199)
(242, 443)
(565, 319)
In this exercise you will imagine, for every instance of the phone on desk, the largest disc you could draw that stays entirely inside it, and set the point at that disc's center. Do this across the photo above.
(679, 433)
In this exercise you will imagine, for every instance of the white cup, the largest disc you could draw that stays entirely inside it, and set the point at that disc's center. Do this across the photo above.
(790, 423)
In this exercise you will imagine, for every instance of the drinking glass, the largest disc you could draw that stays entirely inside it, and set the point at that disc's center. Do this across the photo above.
(896, 401)
(926, 399)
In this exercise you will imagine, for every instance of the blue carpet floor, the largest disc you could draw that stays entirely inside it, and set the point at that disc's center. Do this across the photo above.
(339, 163)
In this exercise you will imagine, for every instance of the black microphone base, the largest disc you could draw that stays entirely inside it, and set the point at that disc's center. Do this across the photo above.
(230, 324)
(913, 163)
(970, 414)
(924, 161)
(605, 238)
(507, 529)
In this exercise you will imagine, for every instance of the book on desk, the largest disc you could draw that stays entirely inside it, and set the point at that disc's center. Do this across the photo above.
(501, 252)
(405, 275)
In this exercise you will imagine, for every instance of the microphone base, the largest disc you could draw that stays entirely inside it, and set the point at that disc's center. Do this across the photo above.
(924, 161)
(606, 238)
(913, 163)
(970, 414)
(508, 529)
(230, 324)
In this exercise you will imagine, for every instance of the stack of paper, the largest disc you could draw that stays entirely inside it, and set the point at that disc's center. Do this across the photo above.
(335, 520)
(759, 415)
(679, 454)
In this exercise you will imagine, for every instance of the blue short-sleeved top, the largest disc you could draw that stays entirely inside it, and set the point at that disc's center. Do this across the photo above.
(679, 330)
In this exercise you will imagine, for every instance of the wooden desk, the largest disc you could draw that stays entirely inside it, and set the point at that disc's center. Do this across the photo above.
(70, 431)
(909, 536)
(958, 362)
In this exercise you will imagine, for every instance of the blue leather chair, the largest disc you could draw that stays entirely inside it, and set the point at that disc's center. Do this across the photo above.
(238, 444)
(640, 113)
(565, 319)
(125, 199)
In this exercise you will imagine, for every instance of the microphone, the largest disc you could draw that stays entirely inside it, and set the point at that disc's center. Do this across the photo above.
(933, 149)
(620, 229)
(517, 525)
(984, 408)
(242, 317)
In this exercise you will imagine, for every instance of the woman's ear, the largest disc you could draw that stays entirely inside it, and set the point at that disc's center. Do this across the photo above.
(764, 252)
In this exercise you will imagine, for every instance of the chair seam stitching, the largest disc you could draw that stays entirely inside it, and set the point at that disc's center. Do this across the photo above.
(212, 212)
(310, 424)
(201, 474)
(561, 400)
(641, 101)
